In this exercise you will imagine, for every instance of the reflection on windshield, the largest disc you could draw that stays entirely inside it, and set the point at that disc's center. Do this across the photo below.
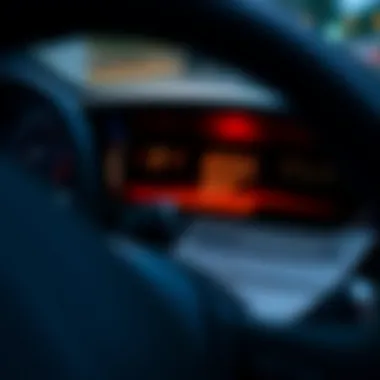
(337, 19)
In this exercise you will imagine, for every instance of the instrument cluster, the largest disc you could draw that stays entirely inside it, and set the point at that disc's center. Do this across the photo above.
(232, 163)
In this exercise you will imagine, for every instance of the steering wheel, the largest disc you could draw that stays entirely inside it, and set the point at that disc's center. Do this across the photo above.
(71, 310)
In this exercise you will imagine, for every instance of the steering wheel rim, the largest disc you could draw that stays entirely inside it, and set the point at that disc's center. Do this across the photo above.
(350, 101)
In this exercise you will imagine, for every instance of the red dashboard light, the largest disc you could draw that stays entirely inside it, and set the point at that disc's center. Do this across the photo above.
(235, 127)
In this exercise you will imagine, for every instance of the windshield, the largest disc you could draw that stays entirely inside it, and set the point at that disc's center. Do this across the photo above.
(101, 60)
(354, 23)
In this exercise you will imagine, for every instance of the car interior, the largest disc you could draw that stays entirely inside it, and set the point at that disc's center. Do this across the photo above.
(182, 202)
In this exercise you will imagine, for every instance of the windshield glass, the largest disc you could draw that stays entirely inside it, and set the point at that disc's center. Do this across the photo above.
(354, 23)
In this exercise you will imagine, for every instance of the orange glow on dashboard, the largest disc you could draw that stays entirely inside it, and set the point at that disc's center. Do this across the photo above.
(243, 170)
(228, 162)
(193, 199)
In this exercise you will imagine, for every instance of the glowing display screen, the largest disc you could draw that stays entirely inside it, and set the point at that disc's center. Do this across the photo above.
(229, 163)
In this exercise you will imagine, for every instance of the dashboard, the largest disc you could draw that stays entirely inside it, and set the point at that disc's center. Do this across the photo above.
(221, 162)
(218, 172)
(260, 204)
(246, 195)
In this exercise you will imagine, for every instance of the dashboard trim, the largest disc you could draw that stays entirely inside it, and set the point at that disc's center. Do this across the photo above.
(195, 91)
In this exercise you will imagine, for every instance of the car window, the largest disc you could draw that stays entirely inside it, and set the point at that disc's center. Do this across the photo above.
(354, 23)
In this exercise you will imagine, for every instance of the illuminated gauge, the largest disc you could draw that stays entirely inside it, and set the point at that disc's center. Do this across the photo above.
(228, 171)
